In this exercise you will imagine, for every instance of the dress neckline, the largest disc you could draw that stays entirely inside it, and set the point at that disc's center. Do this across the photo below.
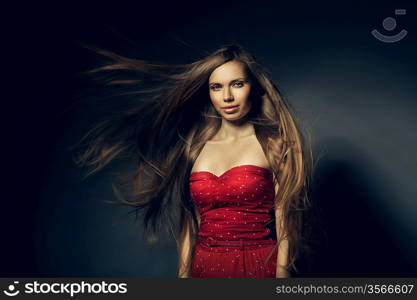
(231, 169)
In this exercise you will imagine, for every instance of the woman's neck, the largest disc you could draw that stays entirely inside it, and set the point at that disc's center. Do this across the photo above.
(233, 130)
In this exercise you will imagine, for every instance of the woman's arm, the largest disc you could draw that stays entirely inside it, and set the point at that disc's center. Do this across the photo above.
(183, 270)
(282, 257)
(185, 248)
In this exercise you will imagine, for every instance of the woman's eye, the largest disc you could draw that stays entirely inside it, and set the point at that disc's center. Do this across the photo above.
(216, 87)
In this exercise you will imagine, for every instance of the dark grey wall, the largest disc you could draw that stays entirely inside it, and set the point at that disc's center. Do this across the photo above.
(354, 93)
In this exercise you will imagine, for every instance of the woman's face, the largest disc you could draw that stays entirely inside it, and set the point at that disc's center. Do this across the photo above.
(230, 87)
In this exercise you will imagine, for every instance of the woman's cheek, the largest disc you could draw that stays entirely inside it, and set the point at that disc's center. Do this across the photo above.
(216, 104)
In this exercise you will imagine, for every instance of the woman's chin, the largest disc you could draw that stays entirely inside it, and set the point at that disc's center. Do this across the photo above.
(233, 117)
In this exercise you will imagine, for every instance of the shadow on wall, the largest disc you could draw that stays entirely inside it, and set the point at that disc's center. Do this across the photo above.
(355, 234)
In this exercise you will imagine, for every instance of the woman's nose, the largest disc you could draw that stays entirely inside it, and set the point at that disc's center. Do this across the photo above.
(227, 96)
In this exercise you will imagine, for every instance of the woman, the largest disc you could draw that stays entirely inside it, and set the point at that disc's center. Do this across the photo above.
(217, 153)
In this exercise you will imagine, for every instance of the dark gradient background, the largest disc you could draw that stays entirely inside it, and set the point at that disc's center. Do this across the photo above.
(355, 94)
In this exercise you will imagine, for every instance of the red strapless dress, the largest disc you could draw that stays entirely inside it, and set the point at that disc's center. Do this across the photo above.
(237, 234)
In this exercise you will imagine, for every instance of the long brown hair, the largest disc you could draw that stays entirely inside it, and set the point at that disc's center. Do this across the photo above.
(165, 131)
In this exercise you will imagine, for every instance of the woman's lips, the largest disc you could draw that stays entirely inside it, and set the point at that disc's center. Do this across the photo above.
(231, 109)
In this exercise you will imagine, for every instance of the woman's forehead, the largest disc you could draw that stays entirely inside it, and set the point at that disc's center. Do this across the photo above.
(228, 71)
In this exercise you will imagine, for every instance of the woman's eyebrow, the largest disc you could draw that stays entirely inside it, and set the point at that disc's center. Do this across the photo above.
(240, 78)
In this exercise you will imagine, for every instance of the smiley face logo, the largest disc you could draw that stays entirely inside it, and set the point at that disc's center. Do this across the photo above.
(11, 289)
(389, 24)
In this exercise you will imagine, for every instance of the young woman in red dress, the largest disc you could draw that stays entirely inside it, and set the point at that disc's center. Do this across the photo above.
(218, 157)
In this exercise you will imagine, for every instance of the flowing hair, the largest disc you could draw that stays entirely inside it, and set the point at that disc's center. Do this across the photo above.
(164, 132)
